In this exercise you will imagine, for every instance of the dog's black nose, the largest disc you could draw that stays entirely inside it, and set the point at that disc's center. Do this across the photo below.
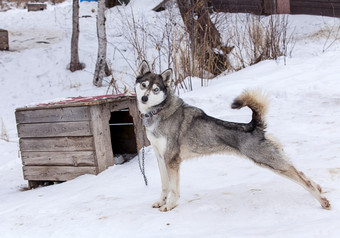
(145, 98)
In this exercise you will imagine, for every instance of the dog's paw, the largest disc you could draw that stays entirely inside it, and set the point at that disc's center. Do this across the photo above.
(167, 207)
(158, 204)
(325, 204)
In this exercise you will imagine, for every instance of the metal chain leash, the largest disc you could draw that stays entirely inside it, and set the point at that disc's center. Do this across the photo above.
(141, 162)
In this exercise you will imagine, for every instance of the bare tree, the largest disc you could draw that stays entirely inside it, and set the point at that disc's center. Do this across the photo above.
(75, 64)
(102, 69)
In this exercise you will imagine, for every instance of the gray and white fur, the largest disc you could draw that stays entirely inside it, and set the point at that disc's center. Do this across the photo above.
(178, 131)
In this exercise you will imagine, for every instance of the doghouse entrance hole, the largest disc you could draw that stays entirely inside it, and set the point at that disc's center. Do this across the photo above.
(123, 137)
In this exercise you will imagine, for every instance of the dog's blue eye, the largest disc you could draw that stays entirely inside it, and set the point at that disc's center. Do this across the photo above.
(156, 90)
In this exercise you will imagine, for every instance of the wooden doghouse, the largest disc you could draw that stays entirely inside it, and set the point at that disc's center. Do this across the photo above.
(4, 40)
(63, 140)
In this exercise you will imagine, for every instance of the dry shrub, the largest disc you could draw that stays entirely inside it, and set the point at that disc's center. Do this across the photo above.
(247, 40)
(328, 32)
(257, 38)
(194, 55)
(332, 35)
(164, 42)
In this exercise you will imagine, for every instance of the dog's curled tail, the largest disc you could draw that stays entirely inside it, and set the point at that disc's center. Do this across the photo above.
(257, 101)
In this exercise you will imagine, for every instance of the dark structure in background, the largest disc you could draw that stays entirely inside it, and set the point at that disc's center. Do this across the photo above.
(113, 3)
(312, 7)
(4, 40)
(320, 7)
(36, 7)
(264, 7)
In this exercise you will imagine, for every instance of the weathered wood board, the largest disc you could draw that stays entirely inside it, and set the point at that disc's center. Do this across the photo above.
(56, 129)
(69, 158)
(56, 173)
(57, 144)
(66, 114)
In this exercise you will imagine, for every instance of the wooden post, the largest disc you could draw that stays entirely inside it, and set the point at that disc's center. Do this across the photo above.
(283, 6)
(4, 40)
(100, 116)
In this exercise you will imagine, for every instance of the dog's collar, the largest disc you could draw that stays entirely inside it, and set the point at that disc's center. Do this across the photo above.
(152, 113)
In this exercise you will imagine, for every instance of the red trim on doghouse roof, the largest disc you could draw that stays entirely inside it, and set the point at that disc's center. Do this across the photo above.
(84, 99)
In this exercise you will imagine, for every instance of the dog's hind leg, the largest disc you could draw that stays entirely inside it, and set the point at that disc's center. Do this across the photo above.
(314, 188)
(270, 155)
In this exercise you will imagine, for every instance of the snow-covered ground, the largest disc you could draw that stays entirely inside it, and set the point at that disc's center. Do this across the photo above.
(221, 196)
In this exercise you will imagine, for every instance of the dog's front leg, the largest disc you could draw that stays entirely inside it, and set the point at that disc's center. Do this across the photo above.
(165, 182)
(173, 173)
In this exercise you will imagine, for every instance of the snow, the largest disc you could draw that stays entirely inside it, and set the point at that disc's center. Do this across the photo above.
(221, 196)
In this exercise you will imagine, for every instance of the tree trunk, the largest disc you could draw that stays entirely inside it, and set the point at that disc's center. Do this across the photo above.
(195, 15)
(204, 36)
(101, 66)
(74, 63)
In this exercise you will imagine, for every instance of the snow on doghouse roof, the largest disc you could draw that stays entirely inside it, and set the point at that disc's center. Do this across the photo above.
(78, 101)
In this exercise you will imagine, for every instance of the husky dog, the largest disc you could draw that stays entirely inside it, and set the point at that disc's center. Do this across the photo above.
(178, 131)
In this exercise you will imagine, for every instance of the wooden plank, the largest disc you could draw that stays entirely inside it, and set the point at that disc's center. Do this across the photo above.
(56, 129)
(306, 2)
(55, 173)
(72, 158)
(254, 10)
(316, 5)
(66, 104)
(238, 6)
(306, 10)
(57, 144)
(52, 115)
(116, 106)
(245, 2)
(100, 116)
(316, 8)
(317, 11)
(333, 11)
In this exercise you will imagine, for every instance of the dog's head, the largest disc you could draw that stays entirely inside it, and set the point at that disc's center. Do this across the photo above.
(151, 89)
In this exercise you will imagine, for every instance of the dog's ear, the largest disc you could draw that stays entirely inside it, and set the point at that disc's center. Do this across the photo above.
(167, 76)
(143, 68)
